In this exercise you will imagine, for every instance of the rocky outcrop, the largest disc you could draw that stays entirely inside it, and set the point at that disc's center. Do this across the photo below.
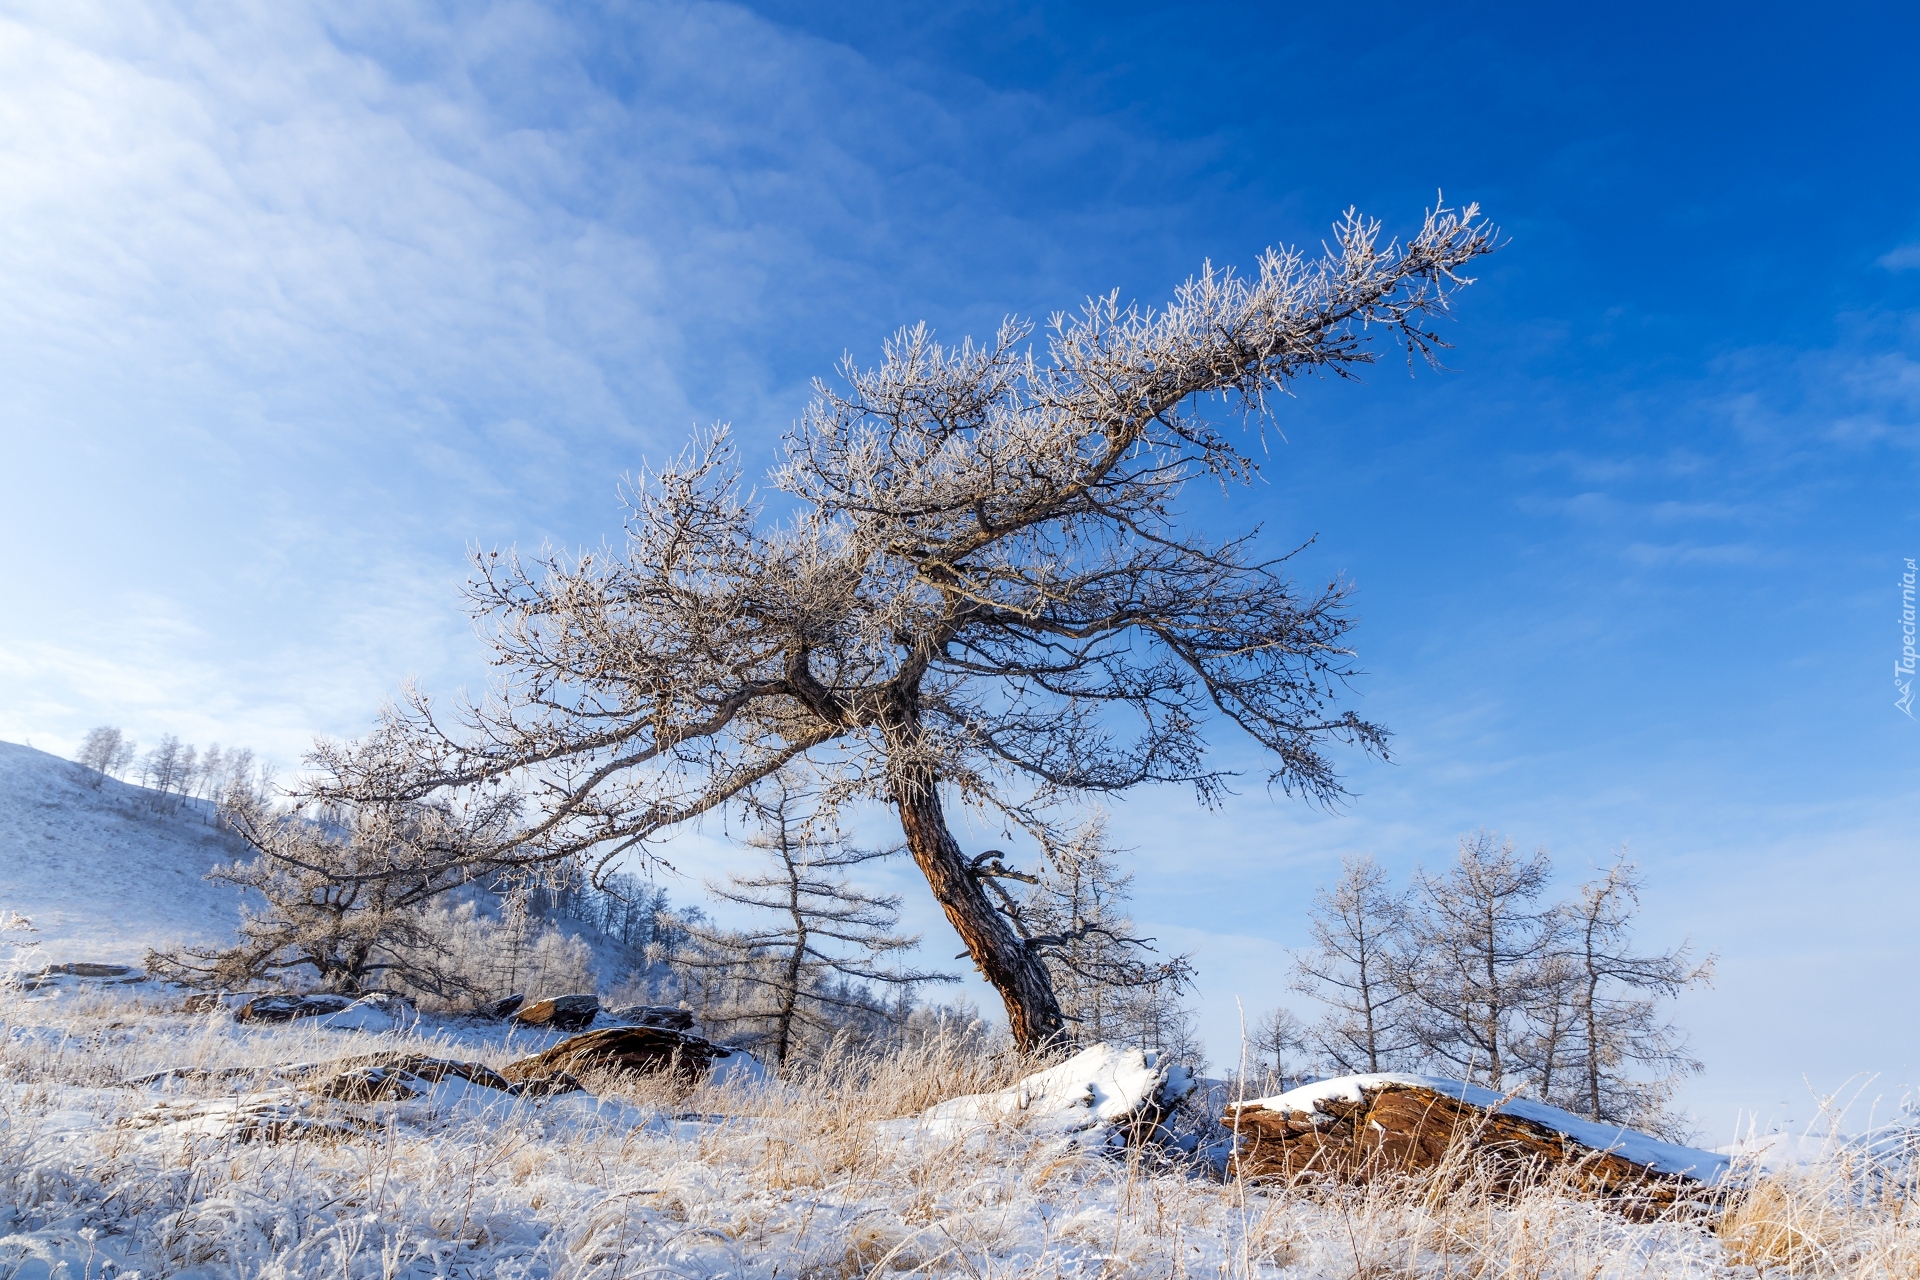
(1359, 1128)
(560, 1013)
(633, 1050)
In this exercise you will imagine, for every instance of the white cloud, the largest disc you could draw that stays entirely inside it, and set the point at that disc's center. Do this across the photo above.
(1904, 258)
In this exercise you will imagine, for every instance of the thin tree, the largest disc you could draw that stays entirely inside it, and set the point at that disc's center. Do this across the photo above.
(981, 591)
(1109, 981)
(1358, 968)
(1275, 1039)
(1481, 941)
(1616, 1005)
(819, 935)
(100, 749)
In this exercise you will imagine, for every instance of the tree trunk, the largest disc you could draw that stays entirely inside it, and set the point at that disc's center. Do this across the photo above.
(1033, 1012)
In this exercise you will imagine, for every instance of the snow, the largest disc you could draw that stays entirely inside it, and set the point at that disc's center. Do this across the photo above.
(101, 875)
(1086, 1100)
(373, 1013)
(1630, 1144)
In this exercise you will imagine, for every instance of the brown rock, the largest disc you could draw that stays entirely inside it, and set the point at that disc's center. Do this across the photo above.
(562, 1013)
(639, 1050)
(1401, 1129)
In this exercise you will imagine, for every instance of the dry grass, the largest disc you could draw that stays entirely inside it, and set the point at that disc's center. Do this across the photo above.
(801, 1179)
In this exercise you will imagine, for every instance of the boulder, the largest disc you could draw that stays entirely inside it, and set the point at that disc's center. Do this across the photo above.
(375, 1011)
(1106, 1097)
(498, 1010)
(561, 1013)
(654, 1015)
(84, 971)
(1359, 1128)
(316, 1004)
(635, 1050)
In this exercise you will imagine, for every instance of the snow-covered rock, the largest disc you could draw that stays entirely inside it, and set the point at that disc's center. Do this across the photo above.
(1310, 1103)
(1388, 1125)
(1102, 1097)
(380, 1011)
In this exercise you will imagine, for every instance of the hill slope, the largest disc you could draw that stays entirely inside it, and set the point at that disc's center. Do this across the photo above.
(100, 872)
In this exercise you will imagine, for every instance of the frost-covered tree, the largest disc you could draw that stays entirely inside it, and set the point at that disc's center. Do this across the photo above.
(1274, 1044)
(164, 766)
(100, 749)
(1622, 1059)
(1109, 981)
(345, 893)
(980, 589)
(1481, 943)
(802, 968)
(1358, 970)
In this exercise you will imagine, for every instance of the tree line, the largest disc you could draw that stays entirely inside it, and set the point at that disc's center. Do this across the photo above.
(1474, 974)
(174, 770)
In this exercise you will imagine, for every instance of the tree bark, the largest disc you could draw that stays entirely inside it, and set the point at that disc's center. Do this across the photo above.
(1019, 975)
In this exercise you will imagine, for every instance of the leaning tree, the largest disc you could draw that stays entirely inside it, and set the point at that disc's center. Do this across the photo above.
(975, 588)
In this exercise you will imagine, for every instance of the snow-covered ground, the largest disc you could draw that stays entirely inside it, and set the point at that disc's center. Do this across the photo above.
(227, 1171)
(101, 873)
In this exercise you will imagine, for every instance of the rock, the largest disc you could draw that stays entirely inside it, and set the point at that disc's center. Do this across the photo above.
(1104, 1097)
(103, 974)
(1358, 1128)
(637, 1050)
(562, 1013)
(498, 1010)
(287, 1008)
(397, 1076)
(670, 1016)
(375, 1011)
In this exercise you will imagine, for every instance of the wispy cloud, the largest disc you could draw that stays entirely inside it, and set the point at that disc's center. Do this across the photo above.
(1904, 258)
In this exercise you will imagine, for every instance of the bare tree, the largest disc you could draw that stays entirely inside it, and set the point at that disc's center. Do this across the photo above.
(797, 970)
(99, 750)
(161, 769)
(1109, 981)
(345, 893)
(1358, 968)
(1618, 1034)
(1481, 941)
(981, 591)
(1272, 1043)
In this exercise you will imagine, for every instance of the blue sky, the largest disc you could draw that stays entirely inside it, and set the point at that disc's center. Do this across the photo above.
(297, 302)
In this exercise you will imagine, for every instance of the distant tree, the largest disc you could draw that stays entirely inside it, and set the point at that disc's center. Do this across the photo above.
(1109, 981)
(1481, 943)
(210, 776)
(100, 749)
(346, 891)
(985, 592)
(1358, 971)
(1618, 1033)
(817, 935)
(1275, 1041)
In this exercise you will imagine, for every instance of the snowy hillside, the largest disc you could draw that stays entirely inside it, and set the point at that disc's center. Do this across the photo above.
(101, 874)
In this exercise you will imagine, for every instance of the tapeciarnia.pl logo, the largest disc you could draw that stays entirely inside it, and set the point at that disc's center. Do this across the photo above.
(1903, 669)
